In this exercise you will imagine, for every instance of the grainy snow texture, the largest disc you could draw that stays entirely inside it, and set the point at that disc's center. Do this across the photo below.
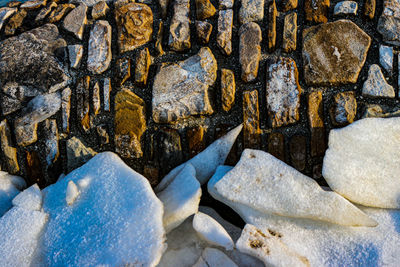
(212, 257)
(325, 244)
(10, 186)
(29, 199)
(207, 161)
(263, 182)
(211, 231)
(181, 198)
(370, 149)
(116, 219)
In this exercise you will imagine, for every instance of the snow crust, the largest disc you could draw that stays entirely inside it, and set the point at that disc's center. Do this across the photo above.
(29, 199)
(10, 186)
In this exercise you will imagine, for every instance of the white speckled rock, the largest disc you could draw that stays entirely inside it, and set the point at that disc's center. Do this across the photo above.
(99, 55)
(371, 150)
(376, 85)
(346, 8)
(214, 257)
(386, 58)
(251, 10)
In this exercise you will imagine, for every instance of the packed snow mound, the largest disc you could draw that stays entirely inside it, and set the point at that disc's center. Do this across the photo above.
(116, 219)
(29, 199)
(10, 186)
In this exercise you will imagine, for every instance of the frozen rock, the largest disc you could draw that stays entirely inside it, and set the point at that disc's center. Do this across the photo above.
(181, 198)
(386, 58)
(346, 8)
(371, 174)
(75, 55)
(117, 219)
(5, 13)
(207, 161)
(76, 20)
(376, 85)
(180, 89)
(268, 247)
(72, 193)
(211, 231)
(179, 31)
(251, 10)
(264, 183)
(29, 199)
(389, 24)
(9, 187)
(99, 51)
(214, 257)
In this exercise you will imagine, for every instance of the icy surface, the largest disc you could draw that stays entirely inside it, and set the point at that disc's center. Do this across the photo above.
(10, 186)
(371, 150)
(211, 231)
(262, 182)
(181, 198)
(326, 244)
(116, 220)
(207, 161)
(212, 257)
(29, 199)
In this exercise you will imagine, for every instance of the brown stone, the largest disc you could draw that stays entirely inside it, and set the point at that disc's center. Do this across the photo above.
(9, 153)
(34, 169)
(334, 53)
(298, 152)
(203, 29)
(76, 20)
(251, 120)
(83, 102)
(276, 145)
(45, 11)
(102, 135)
(96, 102)
(15, 22)
(58, 13)
(34, 4)
(344, 108)
(158, 44)
(369, 8)
(228, 89)
(196, 140)
(224, 36)
(13, 4)
(317, 10)
(100, 10)
(289, 43)
(286, 5)
(179, 30)
(204, 9)
(315, 116)
(143, 62)
(272, 14)
(130, 124)
(123, 70)
(282, 91)
(251, 11)
(152, 174)
(135, 25)
(169, 149)
(249, 50)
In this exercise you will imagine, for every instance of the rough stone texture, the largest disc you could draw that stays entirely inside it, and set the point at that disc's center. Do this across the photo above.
(276, 145)
(344, 108)
(224, 36)
(99, 55)
(196, 140)
(376, 85)
(51, 141)
(317, 10)
(226, 4)
(164, 6)
(315, 117)
(272, 14)
(9, 153)
(180, 89)
(369, 8)
(283, 91)
(251, 10)
(29, 59)
(386, 58)
(251, 119)
(130, 124)
(13, 96)
(249, 50)
(135, 25)
(158, 45)
(346, 8)
(286, 5)
(37, 110)
(35, 4)
(13, 4)
(123, 70)
(96, 102)
(5, 13)
(389, 22)
(203, 30)
(33, 165)
(57, 14)
(143, 62)
(75, 53)
(179, 30)
(169, 147)
(100, 10)
(377, 111)
(204, 9)
(83, 103)
(228, 89)
(298, 152)
(289, 42)
(102, 135)
(331, 58)
(65, 109)
(15, 22)
(77, 153)
(106, 94)
(76, 20)
(44, 12)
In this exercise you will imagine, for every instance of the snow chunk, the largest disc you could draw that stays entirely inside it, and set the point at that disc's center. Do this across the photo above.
(9, 188)
(262, 182)
(214, 257)
(29, 199)
(211, 231)
(371, 150)
(181, 198)
(116, 220)
(72, 193)
(20, 230)
(207, 161)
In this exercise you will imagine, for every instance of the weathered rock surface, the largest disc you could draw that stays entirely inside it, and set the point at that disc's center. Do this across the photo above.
(15, 22)
(34, 4)
(59, 12)
(130, 124)
(371, 152)
(331, 58)
(228, 89)
(143, 62)
(380, 111)
(99, 55)
(135, 25)
(13, 96)
(283, 91)
(389, 22)
(386, 58)
(179, 30)
(376, 85)
(180, 89)
(75, 53)
(251, 10)
(346, 8)
(317, 10)
(44, 12)
(369, 8)
(204, 9)
(224, 36)
(5, 13)
(76, 20)
(226, 4)
(83, 103)
(9, 153)
(203, 30)
(100, 10)
(249, 50)
(65, 109)
(96, 101)
(106, 94)
(287, 5)
(344, 108)
(251, 119)
(77, 153)
(272, 14)
(316, 119)
(123, 70)
(159, 38)
(289, 43)
(51, 141)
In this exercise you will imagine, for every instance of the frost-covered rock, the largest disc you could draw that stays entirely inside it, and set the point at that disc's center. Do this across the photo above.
(371, 150)
(10, 186)
(207, 161)
(214, 257)
(116, 220)
(211, 231)
(264, 183)
(29, 199)
(181, 198)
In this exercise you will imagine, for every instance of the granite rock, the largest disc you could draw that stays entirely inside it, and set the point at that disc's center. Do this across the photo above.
(251, 10)
(250, 37)
(99, 55)
(345, 8)
(224, 36)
